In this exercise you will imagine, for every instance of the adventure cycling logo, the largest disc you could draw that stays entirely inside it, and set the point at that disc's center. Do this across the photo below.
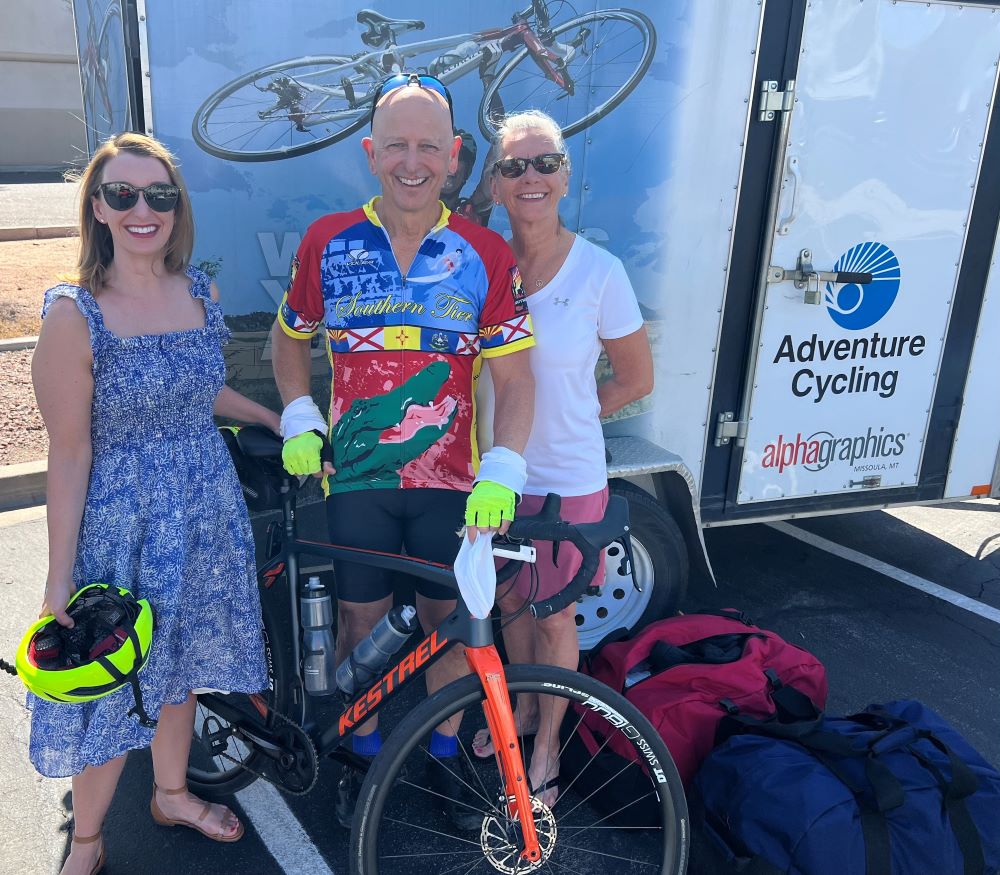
(856, 307)
(866, 362)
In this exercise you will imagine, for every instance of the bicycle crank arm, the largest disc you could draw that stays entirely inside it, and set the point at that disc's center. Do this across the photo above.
(241, 726)
(291, 761)
(217, 736)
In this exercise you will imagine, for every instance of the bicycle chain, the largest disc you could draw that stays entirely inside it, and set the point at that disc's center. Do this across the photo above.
(308, 746)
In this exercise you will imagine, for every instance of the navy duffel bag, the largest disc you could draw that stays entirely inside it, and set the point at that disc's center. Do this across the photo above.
(893, 790)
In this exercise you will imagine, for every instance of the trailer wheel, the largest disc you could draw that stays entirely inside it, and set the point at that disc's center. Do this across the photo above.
(661, 569)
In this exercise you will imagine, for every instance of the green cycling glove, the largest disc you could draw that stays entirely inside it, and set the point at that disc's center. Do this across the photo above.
(489, 504)
(300, 454)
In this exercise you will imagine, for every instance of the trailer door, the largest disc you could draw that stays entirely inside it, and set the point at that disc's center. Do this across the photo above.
(877, 179)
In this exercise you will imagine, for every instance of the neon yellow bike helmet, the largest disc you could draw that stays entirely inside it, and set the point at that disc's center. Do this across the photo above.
(106, 648)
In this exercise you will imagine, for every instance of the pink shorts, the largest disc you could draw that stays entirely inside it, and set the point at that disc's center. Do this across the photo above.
(551, 579)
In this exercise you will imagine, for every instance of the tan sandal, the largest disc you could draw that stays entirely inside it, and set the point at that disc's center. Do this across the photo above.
(163, 820)
(87, 840)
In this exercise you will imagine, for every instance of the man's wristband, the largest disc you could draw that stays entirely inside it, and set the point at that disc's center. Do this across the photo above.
(504, 466)
(300, 416)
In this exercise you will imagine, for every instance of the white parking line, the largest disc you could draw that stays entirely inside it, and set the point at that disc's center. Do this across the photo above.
(278, 828)
(974, 606)
(280, 831)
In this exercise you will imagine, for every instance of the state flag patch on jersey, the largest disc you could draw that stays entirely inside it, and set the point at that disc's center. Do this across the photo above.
(294, 321)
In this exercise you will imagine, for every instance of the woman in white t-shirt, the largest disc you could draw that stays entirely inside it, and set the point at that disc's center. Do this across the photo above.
(580, 300)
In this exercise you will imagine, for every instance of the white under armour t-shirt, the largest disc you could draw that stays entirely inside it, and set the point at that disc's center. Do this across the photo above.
(590, 299)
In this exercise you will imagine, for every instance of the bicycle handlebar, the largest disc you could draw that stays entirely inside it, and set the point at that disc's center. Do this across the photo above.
(589, 538)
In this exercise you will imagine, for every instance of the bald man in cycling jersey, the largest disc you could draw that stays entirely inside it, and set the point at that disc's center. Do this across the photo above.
(412, 297)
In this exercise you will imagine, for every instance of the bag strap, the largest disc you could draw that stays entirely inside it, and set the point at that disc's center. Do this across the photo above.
(963, 780)
(963, 783)
(713, 650)
(795, 714)
(826, 747)
(791, 702)
(893, 733)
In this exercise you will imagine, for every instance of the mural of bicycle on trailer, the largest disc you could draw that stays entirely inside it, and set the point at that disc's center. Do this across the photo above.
(577, 69)
(265, 105)
(103, 74)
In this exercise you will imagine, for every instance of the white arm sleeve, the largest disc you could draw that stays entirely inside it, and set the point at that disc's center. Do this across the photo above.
(300, 416)
(504, 466)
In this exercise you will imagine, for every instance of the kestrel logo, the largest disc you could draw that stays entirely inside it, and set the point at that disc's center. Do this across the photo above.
(358, 254)
(856, 307)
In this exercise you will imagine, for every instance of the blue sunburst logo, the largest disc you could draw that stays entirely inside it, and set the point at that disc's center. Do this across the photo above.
(856, 307)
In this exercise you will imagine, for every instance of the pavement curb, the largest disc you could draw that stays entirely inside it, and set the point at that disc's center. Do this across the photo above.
(46, 233)
(22, 485)
(12, 344)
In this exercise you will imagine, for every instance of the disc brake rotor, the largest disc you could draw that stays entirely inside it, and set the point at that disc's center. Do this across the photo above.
(500, 836)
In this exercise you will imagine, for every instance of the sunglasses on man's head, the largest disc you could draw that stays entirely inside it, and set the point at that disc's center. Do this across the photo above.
(401, 80)
(512, 168)
(160, 196)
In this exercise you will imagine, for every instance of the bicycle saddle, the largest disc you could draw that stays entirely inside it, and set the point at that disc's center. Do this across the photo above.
(258, 442)
(381, 28)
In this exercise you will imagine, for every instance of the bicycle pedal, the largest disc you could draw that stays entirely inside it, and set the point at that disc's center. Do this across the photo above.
(216, 740)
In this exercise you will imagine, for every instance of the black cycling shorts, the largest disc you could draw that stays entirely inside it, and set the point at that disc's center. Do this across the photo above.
(423, 522)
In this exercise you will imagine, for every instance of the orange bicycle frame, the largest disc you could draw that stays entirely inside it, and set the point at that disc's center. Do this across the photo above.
(485, 662)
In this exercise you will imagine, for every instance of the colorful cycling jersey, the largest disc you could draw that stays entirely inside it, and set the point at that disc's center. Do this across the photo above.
(405, 349)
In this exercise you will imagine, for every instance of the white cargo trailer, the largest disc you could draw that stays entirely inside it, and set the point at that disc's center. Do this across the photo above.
(805, 194)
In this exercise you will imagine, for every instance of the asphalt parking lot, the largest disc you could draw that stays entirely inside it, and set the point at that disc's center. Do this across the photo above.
(879, 636)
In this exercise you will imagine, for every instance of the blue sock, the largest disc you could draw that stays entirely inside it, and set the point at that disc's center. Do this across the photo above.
(366, 745)
(443, 745)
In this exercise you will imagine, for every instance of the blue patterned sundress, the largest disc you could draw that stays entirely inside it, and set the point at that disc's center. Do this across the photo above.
(165, 518)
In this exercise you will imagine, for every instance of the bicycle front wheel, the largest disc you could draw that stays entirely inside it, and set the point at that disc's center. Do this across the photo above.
(286, 109)
(398, 825)
(604, 55)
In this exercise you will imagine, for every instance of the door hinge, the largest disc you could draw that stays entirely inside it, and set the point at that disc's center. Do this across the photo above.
(773, 101)
(727, 428)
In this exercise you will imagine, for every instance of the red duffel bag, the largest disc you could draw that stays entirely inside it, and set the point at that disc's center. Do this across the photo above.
(685, 674)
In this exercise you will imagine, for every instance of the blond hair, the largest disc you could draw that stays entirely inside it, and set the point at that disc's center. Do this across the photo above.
(527, 120)
(97, 249)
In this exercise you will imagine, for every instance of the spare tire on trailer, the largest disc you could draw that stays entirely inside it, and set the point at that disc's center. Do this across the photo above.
(661, 569)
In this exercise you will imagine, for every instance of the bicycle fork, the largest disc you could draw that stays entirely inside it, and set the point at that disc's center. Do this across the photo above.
(485, 662)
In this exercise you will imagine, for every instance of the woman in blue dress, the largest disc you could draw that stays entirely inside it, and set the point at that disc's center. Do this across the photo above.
(128, 372)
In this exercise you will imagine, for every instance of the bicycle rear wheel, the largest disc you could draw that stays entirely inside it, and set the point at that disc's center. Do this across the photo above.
(286, 109)
(605, 54)
(211, 775)
(398, 827)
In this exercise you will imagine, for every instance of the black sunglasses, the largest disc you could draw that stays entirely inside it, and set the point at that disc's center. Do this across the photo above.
(401, 80)
(160, 196)
(512, 168)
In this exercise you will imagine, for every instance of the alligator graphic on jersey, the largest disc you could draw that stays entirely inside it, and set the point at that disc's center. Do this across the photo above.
(377, 436)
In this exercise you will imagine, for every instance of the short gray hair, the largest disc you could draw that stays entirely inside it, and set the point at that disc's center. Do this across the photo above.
(528, 120)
